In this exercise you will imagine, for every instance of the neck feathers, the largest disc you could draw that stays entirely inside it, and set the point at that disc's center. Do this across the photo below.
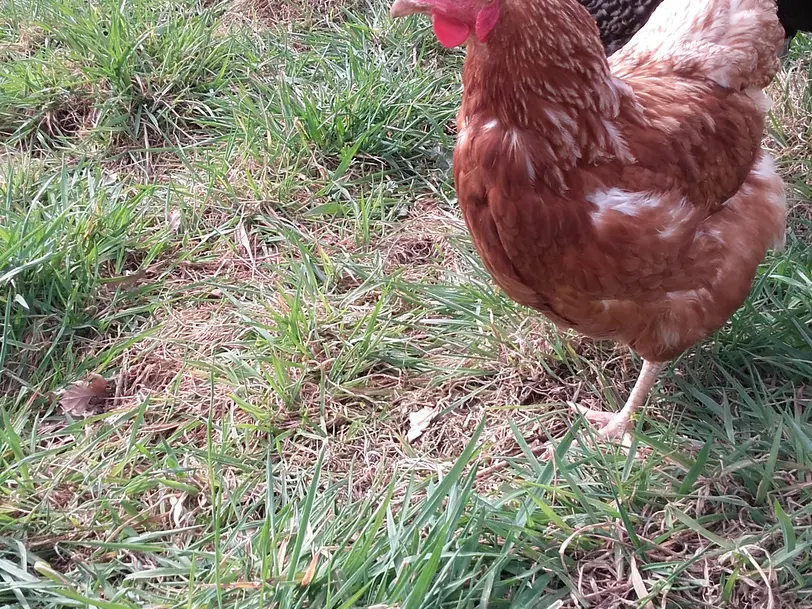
(543, 73)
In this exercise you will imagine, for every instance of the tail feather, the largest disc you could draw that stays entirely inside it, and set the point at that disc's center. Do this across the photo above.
(735, 43)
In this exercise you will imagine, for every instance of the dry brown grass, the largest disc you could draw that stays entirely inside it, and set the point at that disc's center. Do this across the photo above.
(284, 13)
(790, 94)
(170, 362)
(418, 249)
(28, 39)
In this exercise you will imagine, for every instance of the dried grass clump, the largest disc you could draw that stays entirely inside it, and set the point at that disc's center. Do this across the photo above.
(420, 250)
(792, 144)
(261, 14)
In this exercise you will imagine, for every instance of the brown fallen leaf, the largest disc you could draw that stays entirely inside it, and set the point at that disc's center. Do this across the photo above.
(419, 422)
(280, 555)
(84, 397)
(310, 573)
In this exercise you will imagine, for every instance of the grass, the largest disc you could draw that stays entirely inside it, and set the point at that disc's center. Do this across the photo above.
(243, 219)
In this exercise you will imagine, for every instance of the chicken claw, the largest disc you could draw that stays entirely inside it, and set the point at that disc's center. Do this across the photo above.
(616, 425)
(609, 425)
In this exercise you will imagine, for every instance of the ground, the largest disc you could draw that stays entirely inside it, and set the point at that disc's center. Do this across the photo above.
(250, 358)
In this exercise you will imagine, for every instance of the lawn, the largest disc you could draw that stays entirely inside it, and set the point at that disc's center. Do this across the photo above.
(250, 358)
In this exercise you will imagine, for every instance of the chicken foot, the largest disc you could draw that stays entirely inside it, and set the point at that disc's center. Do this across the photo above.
(615, 425)
(611, 425)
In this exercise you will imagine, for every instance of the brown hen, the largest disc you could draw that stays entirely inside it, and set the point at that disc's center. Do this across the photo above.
(628, 199)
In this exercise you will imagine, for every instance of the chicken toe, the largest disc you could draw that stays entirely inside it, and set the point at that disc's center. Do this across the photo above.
(609, 425)
(598, 418)
(616, 425)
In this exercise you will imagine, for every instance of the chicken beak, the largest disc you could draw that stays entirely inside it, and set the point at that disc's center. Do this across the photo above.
(402, 8)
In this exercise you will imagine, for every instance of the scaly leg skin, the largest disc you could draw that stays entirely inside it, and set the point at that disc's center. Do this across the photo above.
(617, 425)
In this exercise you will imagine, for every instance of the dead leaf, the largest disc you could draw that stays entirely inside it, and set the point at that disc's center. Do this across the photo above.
(638, 583)
(177, 509)
(419, 422)
(174, 219)
(311, 570)
(242, 234)
(84, 397)
(280, 555)
(238, 585)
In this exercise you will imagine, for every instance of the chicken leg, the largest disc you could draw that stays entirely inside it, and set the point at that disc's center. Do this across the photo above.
(615, 425)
